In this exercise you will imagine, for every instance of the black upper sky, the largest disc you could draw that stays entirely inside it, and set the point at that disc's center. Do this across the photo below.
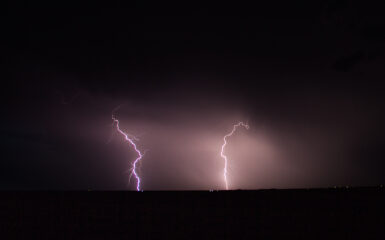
(309, 73)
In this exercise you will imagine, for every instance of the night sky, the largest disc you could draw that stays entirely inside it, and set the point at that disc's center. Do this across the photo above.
(306, 77)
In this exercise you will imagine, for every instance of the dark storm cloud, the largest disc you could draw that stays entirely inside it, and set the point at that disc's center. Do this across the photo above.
(182, 80)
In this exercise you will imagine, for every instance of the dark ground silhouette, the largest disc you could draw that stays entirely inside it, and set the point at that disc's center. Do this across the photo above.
(342, 213)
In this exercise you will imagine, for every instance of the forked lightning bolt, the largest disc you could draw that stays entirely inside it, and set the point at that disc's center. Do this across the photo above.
(223, 149)
(131, 139)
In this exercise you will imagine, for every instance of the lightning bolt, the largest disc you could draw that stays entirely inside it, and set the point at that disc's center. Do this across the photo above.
(130, 140)
(223, 149)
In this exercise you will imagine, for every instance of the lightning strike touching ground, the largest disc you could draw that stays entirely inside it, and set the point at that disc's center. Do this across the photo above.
(223, 149)
(131, 139)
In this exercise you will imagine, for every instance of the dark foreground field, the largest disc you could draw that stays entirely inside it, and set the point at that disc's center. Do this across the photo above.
(342, 213)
